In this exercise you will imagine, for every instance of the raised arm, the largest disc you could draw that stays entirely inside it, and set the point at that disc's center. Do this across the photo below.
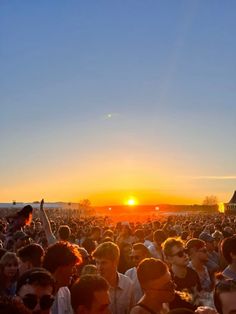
(46, 224)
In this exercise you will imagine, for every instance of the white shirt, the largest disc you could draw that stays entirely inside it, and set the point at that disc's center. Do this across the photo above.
(62, 303)
(122, 296)
(132, 274)
(155, 253)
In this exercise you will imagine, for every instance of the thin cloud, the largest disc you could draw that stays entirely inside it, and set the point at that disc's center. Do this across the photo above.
(213, 177)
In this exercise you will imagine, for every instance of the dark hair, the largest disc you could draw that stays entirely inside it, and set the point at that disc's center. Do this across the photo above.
(159, 236)
(228, 246)
(36, 276)
(26, 211)
(82, 292)
(31, 253)
(141, 247)
(150, 269)
(227, 285)
(61, 254)
(194, 243)
(139, 233)
(64, 232)
(89, 245)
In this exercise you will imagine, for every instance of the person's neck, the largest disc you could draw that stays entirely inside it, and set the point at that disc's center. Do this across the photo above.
(113, 279)
(179, 271)
(152, 302)
(198, 265)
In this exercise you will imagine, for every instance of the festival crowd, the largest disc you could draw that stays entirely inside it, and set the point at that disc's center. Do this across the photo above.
(52, 262)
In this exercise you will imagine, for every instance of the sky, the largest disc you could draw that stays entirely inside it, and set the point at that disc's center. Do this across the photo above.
(114, 100)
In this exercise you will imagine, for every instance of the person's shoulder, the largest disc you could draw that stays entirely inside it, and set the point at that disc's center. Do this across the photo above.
(130, 272)
(124, 280)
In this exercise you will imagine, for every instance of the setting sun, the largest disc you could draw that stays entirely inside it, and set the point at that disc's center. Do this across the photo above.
(131, 202)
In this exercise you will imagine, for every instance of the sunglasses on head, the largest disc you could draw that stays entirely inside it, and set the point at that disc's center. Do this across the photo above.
(180, 253)
(31, 300)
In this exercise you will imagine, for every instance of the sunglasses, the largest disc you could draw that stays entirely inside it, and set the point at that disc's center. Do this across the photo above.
(31, 300)
(181, 253)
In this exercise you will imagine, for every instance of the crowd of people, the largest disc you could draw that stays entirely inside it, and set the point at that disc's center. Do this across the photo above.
(52, 262)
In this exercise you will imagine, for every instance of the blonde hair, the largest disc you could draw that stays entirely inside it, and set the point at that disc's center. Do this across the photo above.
(108, 250)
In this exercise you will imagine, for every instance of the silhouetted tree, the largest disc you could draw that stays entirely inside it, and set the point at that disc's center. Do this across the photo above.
(210, 200)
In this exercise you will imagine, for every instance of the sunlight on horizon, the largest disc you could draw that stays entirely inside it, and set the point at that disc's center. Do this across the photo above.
(132, 201)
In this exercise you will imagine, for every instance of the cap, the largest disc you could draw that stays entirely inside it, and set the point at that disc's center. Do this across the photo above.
(206, 237)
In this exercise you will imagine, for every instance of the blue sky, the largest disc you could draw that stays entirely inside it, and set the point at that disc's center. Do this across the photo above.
(101, 96)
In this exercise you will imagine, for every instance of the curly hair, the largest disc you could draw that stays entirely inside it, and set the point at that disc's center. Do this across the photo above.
(61, 254)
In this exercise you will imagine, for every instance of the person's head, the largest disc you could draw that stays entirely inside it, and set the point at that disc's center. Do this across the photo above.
(89, 270)
(9, 266)
(225, 297)
(139, 235)
(107, 256)
(175, 252)
(20, 239)
(38, 226)
(89, 295)
(108, 233)
(218, 237)
(159, 237)
(36, 288)
(25, 214)
(209, 241)
(64, 232)
(139, 252)
(197, 250)
(155, 279)
(60, 259)
(30, 256)
(89, 245)
(228, 248)
(96, 233)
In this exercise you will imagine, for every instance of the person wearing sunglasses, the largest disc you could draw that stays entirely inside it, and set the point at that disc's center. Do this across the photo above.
(156, 282)
(185, 278)
(138, 253)
(35, 289)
